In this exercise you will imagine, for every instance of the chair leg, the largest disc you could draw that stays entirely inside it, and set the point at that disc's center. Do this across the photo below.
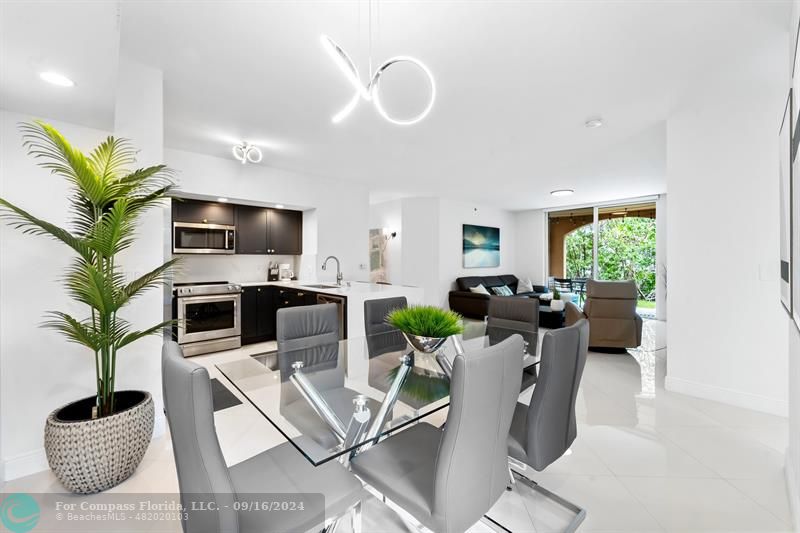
(355, 518)
(580, 512)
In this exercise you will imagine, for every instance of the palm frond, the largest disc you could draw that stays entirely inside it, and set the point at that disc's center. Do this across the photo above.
(136, 335)
(154, 278)
(77, 331)
(43, 141)
(22, 220)
(111, 158)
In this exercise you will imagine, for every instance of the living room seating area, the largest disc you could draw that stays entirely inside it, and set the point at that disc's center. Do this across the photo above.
(473, 304)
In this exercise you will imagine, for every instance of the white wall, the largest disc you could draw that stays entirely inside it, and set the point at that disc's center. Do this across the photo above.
(531, 245)
(726, 329)
(452, 216)
(40, 370)
(793, 342)
(341, 214)
(430, 246)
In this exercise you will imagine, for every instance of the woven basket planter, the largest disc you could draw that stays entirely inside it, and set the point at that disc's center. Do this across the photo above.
(91, 456)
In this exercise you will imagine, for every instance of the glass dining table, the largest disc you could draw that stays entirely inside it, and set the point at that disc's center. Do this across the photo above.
(334, 400)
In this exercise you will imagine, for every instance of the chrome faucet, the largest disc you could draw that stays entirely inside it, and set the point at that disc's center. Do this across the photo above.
(339, 276)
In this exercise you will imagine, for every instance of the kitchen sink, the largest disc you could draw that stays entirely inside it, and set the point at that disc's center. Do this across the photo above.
(323, 286)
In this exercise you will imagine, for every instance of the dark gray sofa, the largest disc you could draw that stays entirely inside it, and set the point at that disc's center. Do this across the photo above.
(473, 305)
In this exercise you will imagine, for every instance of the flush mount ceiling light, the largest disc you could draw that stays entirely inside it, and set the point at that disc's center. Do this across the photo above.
(247, 153)
(593, 123)
(562, 192)
(55, 78)
(371, 91)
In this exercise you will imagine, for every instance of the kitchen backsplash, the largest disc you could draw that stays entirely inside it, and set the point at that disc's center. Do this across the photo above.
(234, 268)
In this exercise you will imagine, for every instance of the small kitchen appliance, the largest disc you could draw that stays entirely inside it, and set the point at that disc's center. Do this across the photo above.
(285, 272)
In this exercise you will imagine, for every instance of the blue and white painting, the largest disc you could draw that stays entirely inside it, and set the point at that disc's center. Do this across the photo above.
(481, 246)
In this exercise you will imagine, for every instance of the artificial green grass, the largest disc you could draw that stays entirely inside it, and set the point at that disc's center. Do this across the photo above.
(426, 321)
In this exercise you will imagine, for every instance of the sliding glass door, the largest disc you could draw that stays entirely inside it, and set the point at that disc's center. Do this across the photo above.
(610, 242)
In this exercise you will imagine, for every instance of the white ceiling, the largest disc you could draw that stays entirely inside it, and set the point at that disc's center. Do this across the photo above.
(516, 81)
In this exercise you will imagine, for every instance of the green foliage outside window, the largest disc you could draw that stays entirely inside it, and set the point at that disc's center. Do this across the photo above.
(627, 250)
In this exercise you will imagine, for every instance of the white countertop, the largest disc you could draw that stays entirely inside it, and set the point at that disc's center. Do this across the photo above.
(355, 288)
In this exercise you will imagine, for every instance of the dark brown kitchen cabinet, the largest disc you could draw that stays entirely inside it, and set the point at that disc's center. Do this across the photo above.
(251, 230)
(284, 232)
(258, 314)
(199, 212)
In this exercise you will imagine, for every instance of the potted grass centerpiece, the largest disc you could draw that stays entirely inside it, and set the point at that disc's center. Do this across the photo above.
(424, 326)
(97, 442)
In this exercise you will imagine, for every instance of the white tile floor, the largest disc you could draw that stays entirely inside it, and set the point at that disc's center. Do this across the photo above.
(645, 459)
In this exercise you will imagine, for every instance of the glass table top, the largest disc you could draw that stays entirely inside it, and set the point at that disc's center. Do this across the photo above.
(331, 400)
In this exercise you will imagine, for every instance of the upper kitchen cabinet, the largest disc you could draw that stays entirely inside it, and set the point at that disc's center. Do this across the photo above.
(284, 232)
(251, 229)
(199, 212)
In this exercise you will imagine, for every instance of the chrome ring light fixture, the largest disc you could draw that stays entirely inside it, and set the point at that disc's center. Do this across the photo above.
(247, 153)
(371, 91)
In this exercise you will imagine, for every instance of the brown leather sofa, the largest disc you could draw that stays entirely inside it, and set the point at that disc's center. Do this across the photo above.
(611, 309)
(474, 305)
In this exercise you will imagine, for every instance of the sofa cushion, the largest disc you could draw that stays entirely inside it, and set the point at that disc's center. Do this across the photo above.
(479, 289)
(524, 285)
(492, 281)
(468, 281)
(511, 280)
(502, 290)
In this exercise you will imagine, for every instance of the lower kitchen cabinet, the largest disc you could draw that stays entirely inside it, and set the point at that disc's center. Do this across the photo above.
(258, 314)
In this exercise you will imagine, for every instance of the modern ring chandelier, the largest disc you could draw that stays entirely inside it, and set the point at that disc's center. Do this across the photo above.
(371, 91)
(246, 152)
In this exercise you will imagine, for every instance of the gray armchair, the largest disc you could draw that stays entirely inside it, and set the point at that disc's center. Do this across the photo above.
(448, 479)
(202, 472)
(611, 310)
(544, 430)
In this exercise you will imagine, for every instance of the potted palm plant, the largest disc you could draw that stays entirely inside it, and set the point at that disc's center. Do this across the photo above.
(96, 443)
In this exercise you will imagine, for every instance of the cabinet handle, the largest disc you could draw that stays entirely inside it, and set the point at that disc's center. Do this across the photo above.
(259, 289)
(301, 294)
(286, 302)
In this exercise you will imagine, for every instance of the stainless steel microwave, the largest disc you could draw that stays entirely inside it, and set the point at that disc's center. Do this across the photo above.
(189, 238)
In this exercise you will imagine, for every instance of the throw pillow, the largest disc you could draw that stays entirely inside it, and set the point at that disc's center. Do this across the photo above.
(502, 290)
(480, 289)
(524, 285)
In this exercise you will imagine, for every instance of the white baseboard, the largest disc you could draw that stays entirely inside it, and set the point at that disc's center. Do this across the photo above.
(25, 464)
(791, 489)
(730, 396)
(33, 462)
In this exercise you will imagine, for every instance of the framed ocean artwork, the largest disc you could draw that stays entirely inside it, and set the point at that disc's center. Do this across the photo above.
(481, 246)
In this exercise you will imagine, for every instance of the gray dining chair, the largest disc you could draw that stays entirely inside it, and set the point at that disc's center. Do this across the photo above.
(448, 479)
(306, 326)
(544, 430)
(382, 337)
(310, 334)
(375, 312)
(520, 315)
(203, 474)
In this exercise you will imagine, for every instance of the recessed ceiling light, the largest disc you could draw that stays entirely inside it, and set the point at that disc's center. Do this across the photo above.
(562, 192)
(593, 123)
(222, 199)
(56, 79)
(279, 206)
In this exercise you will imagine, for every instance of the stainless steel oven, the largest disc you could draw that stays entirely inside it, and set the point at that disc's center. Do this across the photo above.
(209, 317)
(190, 238)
